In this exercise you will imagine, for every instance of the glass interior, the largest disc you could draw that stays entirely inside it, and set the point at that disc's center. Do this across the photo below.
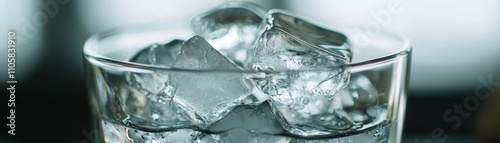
(134, 102)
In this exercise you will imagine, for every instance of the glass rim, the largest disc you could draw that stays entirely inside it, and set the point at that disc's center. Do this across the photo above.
(94, 57)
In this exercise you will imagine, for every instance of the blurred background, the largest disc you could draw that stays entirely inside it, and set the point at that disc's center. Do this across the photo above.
(454, 43)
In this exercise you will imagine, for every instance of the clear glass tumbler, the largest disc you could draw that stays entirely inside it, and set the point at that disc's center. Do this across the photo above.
(130, 102)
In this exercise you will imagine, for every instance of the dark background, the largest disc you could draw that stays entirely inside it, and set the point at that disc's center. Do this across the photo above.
(51, 100)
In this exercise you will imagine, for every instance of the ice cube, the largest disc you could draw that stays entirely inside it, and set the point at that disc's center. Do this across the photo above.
(306, 101)
(301, 111)
(231, 28)
(256, 119)
(289, 43)
(155, 54)
(148, 97)
(207, 95)
(304, 32)
(127, 105)
(364, 104)
(158, 54)
(247, 123)
(146, 112)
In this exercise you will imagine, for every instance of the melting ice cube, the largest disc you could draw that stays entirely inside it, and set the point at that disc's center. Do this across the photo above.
(209, 96)
(231, 28)
(300, 110)
(146, 98)
(364, 104)
(158, 54)
(256, 119)
(306, 101)
(155, 54)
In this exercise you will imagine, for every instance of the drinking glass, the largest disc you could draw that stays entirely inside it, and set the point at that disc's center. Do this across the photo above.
(127, 103)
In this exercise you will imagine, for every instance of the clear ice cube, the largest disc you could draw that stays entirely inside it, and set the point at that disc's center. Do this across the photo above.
(289, 43)
(208, 96)
(256, 119)
(301, 111)
(299, 30)
(147, 97)
(158, 54)
(364, 104)
(155, 54)
(149, 112)
(131, 106)
(306, 101)
(231, 28)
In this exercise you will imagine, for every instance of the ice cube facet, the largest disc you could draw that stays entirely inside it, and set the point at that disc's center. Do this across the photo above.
(209, 96)
(300, 30)
(155, 54)
(256, 119)
(364, 104)
(302, 98)
(133, 106)
(148, 104)
(231, 28)
(302, 112)
(158, 54)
